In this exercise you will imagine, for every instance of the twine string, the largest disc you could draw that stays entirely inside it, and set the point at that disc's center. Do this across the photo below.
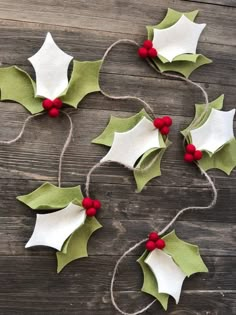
(19, 136)
(204, 93)
(100, 163)
(182, 211)
(113, 281)
(95, 167)
(179, 213)
(127, 97)
(65, 146)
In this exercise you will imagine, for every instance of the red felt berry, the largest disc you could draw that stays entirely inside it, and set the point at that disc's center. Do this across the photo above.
(153, 236)
(147, 44)
(87, 203)
(53, 112)
(150, 245)
(91, 212)
(160, 244)
(188, 158)
(167, 121)
(164, 130)
(158, 123)
(197, 155)
(57, 103)
(47, 104)
(96, 204)
(190, 148)
(152, 53)
(143, 53)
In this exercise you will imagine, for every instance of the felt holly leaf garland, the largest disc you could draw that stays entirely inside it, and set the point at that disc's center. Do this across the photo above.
(67, 230)
(147, 144)
(175, 51)
(166, 267)
(211, 133)
(51, 67)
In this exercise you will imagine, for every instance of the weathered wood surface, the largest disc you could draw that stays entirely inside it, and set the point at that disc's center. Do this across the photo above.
(29, 284)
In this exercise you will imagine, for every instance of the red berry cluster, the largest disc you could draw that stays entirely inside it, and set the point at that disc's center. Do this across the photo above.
(163, 124)
(154, 242)
(91, 206)
(147, 50)
(52, 107)
(192, 154)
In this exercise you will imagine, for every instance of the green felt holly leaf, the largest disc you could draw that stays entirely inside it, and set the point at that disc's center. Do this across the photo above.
(16, 85)
(117, 124)
(150, 166)
(185, 63)
(185, 255)
(75, 246)
(225, 158)
(49, 196)
(150, 162)
(150, 285)
(84, 80)
(183, 57)
(183, 67)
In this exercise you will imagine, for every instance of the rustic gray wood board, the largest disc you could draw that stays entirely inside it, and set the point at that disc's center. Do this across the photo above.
(84, 29)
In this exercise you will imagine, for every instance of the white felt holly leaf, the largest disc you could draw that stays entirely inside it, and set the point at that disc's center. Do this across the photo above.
(168, 275)
(150, 284)
(51, 65)
(215, 132)
(180, 38)
(53, 229)
(128, 146)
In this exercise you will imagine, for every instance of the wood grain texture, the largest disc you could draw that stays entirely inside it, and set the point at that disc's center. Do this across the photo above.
(84, 29)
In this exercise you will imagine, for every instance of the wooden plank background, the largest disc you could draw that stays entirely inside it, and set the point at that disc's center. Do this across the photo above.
(84, 29)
